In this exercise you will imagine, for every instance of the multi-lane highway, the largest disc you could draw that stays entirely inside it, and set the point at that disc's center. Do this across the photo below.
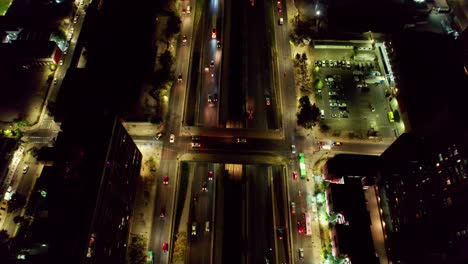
(235, 62)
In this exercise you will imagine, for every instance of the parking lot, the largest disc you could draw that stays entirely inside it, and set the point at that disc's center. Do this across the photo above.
(351, 91)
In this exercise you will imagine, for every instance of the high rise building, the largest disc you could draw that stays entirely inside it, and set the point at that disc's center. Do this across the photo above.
(93, 193)
(424, 194)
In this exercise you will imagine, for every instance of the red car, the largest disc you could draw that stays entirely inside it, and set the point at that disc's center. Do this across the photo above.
(300, 227)
(162, 214)
(166, 179)
(213, 33)
(210, 175)
(165, 246)
(280, 10)
(295, 175)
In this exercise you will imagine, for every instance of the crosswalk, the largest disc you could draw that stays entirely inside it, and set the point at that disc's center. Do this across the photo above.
(37, 64)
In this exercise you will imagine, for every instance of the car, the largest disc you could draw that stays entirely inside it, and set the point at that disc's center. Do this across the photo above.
(337, 143)
(207, 226)
(149, 257)
(250, 114)
(301, 253)
(293, 149)
(25, 169)
(196, 145)
(280, 21)
(268, 101)
(218, 44)
(194, 228)
(165, 247)
(215, 97)
(241, 140)
(55, 80)
(372, 107)
(280, 10)
(213, 33)
(212, 64)
(280, 233)
(295, 175)
(293, 208)
(210, 175)
(171, 138)
(158, 136)
(300, 227)
(184, 39)
(179, 78)
(162, 214)
(166, 180)
(188, 10)
(210, 99)
(61, 62)
(204, 187)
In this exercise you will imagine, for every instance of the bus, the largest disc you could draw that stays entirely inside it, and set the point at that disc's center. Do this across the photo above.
(391, 118)
(213, 31)
(302, 166)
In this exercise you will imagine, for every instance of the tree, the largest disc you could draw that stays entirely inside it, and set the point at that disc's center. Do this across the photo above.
(4, 236)
(166, 62)
(173, 25)
(308, 114)
(396, 116)
(304, 101)
(136, 250)
(16, 202)
(180, 247)
(18, 219)
(304, 117)
(298, 57)
(4, 248)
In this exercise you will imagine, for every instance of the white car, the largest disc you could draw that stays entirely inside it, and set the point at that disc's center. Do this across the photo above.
(61, 62)
(301, 253)
(194, 229)
(25, 169)
(172, 138)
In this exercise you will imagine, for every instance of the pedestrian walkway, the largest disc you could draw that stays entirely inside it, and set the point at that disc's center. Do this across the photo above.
(143, 209)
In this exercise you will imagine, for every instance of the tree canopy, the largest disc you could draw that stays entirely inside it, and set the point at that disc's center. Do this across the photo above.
(308, 114)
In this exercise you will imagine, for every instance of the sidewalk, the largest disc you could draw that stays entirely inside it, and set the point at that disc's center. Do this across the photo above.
(145, 195)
